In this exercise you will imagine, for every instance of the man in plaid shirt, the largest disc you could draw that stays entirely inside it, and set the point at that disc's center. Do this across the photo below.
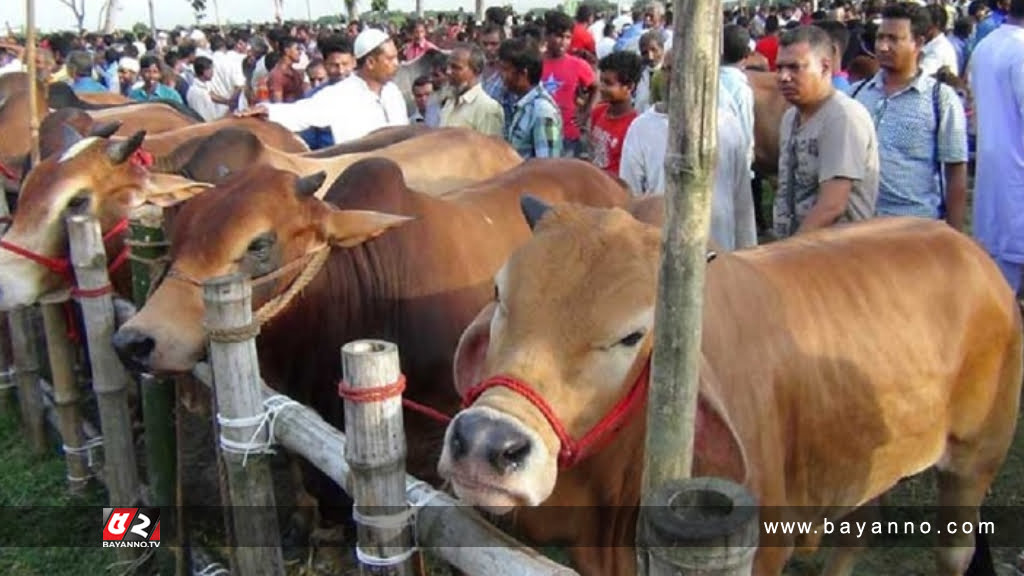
(535, 130)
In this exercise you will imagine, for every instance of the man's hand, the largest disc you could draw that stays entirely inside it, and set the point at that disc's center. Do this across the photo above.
(259, 111)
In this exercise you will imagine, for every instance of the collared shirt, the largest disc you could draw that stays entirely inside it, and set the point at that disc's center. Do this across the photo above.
(733, 225)
(474, 109)
(938, 53)
(227, 72)
(909, 179)
(996, 70)
(536, 127)
(199, 99)
(161, 92)
(349, 108)
(494, 86)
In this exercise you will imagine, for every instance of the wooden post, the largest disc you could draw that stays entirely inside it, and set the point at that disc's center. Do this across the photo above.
(689, 168)
(376, 454)
(30, 55)
(109, 378)
(7, 383)
(149, 249)
(66, 396)
(26, 374)
(701, 527)
(243, 434)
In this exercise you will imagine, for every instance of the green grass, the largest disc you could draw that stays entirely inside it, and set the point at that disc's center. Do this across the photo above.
(39, 482)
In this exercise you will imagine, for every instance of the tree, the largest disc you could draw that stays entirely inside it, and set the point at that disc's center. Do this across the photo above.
(79, 10)
(350, 7)
(379, 5)
(108, 12)
(199, 8)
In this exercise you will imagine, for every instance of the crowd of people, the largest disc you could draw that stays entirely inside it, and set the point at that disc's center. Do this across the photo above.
(890, 104)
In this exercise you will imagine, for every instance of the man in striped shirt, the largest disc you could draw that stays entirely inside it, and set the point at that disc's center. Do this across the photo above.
(535, 130)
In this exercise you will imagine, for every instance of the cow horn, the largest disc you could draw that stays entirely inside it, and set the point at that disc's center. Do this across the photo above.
(533, 209)
(69, 135)
(106, 129)
(308, 185)
(118, 152)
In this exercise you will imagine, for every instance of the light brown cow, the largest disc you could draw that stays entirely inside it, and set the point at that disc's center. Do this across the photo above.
(434, 162)
(833, 365)
(93, 173)
(152, 117)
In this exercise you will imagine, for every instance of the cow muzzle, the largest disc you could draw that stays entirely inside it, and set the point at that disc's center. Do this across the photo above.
(498, 442)
(134, 348)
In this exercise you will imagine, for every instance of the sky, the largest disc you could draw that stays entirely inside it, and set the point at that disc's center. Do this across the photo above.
(53, 15)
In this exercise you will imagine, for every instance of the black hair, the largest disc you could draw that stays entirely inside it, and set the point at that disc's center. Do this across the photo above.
(522, 54)
(920, 20)
(626, 64)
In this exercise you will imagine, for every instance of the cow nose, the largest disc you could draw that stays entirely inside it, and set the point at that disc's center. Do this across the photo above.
(133, 348)
(502, 444)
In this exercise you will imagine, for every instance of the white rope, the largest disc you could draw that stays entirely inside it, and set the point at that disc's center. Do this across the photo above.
(87, 449)
(215, 569)
(7, 379)
(272, 406)
(394, 522)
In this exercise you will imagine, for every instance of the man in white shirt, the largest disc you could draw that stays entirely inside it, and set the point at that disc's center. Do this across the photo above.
(939, 51)
(363, 102)
(200, 94)
(228, 76)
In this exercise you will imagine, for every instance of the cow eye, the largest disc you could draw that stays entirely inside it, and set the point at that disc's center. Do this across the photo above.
(260, 247)
(633, 339)
(78, 202)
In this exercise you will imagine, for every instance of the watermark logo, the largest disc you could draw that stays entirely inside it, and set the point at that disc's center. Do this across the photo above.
(131, 527)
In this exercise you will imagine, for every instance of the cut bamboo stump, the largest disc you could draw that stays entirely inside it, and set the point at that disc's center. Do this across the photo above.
(700, 527)
(376, 454)
(26, 374)
(244, 436)
(109, 378)
(66, 396)
(7, 383)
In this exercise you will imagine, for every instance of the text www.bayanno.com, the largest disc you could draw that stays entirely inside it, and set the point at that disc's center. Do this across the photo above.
(860, 529)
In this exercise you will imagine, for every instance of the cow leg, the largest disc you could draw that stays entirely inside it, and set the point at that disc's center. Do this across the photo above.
(959, 499)
(846, 548)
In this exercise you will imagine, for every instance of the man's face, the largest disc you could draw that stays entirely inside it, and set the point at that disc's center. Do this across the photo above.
(558, 44)
(895, 45)
(802, 74)
(490, 43)
(514, 79)
(127, 77)
(460, 74)
(419, 33)
(317, 75)
(613, 91)
(339, 65)
(151, 75)
(421, 94)
(651, 52)
(384, 65)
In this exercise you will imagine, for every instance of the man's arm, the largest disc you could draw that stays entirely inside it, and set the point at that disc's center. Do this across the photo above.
(547, 136)
(833, 196)
(956, 194)
(952, 149)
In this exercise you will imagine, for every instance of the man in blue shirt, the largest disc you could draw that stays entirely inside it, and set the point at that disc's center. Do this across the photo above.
(152, 88)
(80, 68)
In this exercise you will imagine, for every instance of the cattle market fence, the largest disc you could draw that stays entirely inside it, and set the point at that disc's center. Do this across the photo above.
(396, 514)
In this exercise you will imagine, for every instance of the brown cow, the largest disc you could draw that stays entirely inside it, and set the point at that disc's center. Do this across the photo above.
(93, 173)
(435, 162)
(379, 138)
(820, 355)
(417, 286)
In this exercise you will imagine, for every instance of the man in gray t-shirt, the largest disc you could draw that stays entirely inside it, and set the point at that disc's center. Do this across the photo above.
(828, 152)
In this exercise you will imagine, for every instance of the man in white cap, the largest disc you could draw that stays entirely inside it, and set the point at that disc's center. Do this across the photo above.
(363, 102)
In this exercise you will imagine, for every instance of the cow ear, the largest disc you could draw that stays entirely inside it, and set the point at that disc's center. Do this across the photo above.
(308, 185)
(533, 209)
(105, 129)
(168, 189)
(472, 350)
(717, 448)
(353, 227)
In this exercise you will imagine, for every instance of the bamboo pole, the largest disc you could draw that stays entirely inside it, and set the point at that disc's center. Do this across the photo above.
(65, 395)
(7, 385)
(689, 169)
(228, 304)
(109, 378)
(148, 250)
(30, 54)
(375, 453)
(455, 532)
(26, 374)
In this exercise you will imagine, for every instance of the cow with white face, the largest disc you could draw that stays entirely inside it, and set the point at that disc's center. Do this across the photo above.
(94, 176)
(827, 376)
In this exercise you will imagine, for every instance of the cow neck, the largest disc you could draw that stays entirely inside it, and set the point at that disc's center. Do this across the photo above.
(573, 451)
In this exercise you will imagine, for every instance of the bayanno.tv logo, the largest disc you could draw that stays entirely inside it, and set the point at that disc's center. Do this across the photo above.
(131, 527)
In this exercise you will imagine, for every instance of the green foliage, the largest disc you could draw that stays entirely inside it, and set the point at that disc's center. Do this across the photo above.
(379, 5)
(140, 29)
(199, 8)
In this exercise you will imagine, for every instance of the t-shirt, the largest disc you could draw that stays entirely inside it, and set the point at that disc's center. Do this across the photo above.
(582, 39)
(606, 137)
(838, 141)
(562, 77)
(288, 81)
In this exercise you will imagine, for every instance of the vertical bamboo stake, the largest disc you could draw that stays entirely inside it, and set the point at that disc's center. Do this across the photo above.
(6, 357)
(109, 378)
(228, 302)
(149, 248)
(26, 374)
(30, 54)
(65, 395)
(689, 169)
(376, 454)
